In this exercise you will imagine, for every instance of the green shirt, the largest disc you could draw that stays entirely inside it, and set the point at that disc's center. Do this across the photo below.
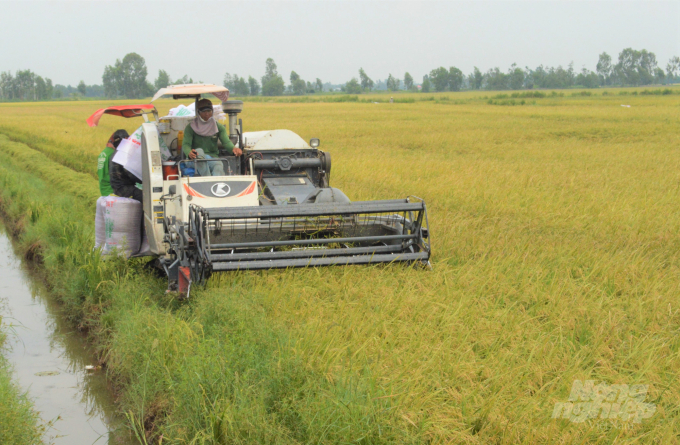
(103, 171)
(207, 143)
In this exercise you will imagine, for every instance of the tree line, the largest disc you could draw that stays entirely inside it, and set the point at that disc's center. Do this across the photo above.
(28, 86)
(25, 86)
(127, 78)
(633, 68)
(271, 84)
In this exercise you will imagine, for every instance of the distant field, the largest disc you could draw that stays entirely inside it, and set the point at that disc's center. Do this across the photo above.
(555, 226)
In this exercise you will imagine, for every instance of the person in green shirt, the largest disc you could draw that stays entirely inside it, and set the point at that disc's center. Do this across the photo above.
(200, 140)
(103, 161)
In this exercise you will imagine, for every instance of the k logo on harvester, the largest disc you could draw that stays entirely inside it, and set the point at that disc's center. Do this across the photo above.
(220, 189)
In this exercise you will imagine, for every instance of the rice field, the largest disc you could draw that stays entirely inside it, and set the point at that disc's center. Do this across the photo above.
(554, 226)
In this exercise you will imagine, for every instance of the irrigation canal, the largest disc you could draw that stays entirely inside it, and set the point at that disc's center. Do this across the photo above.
(49, 359)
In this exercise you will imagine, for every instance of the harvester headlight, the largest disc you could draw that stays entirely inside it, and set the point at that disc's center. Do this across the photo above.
(314, 142)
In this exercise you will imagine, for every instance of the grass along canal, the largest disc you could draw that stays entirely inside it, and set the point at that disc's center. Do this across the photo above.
(49, 360)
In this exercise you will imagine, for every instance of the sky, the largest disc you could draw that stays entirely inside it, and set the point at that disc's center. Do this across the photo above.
(70, 41)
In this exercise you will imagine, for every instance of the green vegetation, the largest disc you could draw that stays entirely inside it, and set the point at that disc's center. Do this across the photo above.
(128, 78)
(556, 258)
(19, 423)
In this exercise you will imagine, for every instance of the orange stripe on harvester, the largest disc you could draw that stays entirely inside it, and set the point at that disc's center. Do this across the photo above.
(192, 192)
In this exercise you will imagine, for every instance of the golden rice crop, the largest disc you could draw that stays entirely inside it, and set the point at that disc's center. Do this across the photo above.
(556, 256)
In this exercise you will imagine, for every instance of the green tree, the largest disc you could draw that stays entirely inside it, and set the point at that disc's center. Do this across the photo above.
(41, 88)
(495, 79)
(163, 80)
(408, 81)
(389, 82)
(647, 67)
(604, 68)
(625, 69)
(133, 69)
(440, 78)
(635, 67)
(310, 87)
(426, 87)
(366, 82)
(269, 71)
(297, 86)
(236, 85)
(455, 79)
(353, 86)
(392, 83)
(672, 68)
(184, 80)
(272, 82)
(111, 80)
(319, 86)
(82, 88)
(477, 79)
(25, 85)
(229, 82)
(98, 90)
(528, 78)
(273, 87)
(126, 78)
(588, 79)
(6, 85)
(254, 86)
(49, 90)
(659, 75)
(516, 77)
(242, 87)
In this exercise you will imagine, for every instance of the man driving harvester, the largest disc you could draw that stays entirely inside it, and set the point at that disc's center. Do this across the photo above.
(200, 140)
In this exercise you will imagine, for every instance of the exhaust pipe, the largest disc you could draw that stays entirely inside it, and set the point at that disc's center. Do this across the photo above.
(233, 108)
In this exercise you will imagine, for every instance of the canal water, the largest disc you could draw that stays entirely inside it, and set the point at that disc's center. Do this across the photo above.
(49, 358)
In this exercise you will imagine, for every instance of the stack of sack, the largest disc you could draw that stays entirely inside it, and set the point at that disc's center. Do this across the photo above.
(190, 111)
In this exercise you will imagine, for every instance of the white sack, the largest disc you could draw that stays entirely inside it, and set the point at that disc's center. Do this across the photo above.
(129, 153)
(122, 224)
(218, 113)
(190, 111)
(183, 111)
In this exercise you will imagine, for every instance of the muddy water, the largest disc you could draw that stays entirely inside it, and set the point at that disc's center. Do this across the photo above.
(49, 360)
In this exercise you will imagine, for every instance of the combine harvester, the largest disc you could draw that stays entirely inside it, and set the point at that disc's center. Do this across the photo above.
(274, 208)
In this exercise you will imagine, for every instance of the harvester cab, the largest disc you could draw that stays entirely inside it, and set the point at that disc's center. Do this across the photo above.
(274, 206)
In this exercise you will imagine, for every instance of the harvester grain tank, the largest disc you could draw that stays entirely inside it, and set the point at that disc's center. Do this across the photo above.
(273, 208)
